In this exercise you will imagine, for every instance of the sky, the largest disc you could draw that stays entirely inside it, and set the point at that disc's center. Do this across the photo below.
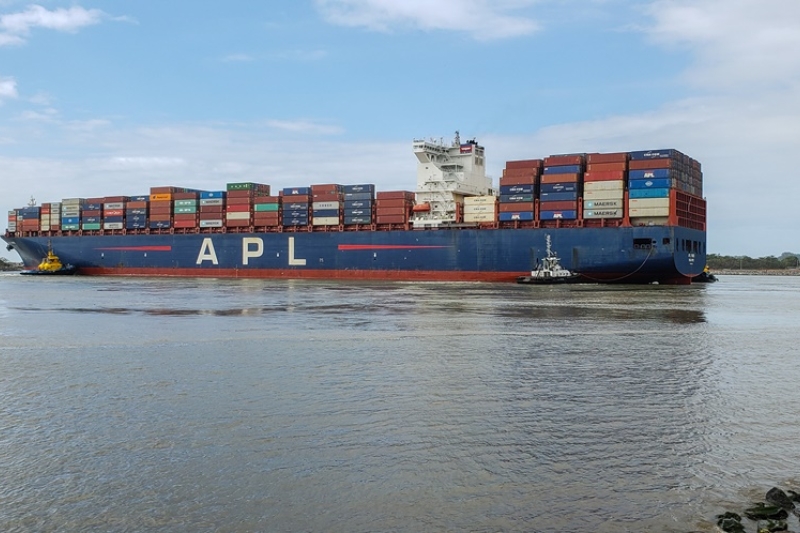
(107, 98)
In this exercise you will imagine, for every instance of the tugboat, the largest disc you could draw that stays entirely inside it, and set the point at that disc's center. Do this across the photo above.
(549, 271)
(51, 265)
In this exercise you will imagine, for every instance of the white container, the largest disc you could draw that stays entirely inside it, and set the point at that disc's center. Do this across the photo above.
(603, 213)
(325, 221)
(114, 205)
(479, 217)
(238, 215)
(479, 208)
(593, 205)
(113, 225)
(615, 185)
(211, 201)
(648, 212)
(645, 203)
(649, 221)
(210, 223)
(602, 195)
(325, 205)
(473, 200)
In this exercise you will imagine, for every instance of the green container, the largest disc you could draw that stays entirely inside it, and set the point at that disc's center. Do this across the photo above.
(241, 186)
(182, 210)
(186, 203)
(270, 208)
(70, 227)
(90, 226)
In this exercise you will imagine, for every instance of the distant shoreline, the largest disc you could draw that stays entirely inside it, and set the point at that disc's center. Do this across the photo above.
(764, 272)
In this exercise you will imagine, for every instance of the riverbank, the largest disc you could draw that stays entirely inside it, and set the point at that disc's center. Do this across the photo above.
(764, 272)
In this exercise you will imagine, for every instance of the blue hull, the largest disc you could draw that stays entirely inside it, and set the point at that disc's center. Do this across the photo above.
(664, 254)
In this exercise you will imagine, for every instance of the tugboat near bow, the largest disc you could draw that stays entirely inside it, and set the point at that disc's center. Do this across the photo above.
(549, 271)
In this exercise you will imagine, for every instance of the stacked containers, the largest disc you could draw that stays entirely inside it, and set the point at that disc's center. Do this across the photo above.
(652, 175)
(161, 206)
(518, 190)
(266, 210)
(393, 207)
(327, 202)
(92, 215)
(44, 218)
(239, 203)
(560, 187)
(28, 219)
(212, 206)
(604, 186)
(114, 212)
(137, 211)
(55, 216)
(296, 206)
(71, 212)
(12, 221)
(358, 203)
(185, 209)
(480, 209)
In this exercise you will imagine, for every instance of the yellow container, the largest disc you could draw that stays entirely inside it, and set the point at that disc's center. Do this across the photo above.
(160, 197)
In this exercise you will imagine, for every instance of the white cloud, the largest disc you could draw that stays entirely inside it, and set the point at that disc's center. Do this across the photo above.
(304, 126)
(237, 58)
(14, 27)
(739, 45)
(483, 19)
(8, 89)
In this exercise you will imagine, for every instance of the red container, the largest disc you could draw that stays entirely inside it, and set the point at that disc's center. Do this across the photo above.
(568, 205)
(183, 217)
(237, 223)
(159, 217)
(248, 193)
(95, 200)
(391, 211)
(327, 197)
(114, 213)
(266, 219)
(604, 167)
(513, 207)
(391, 219)
(266, 199)
(240, 208)
(514, 172)
(296, 198)
(211, 209)
(160, 204)
(524, 164)
(114, 199)
(137, 205)
(160, 210)
(327, 188)
(185, 196)
(608, 175)
(185, 223)
(92, 213)
(395, 195)
(239, 201)
(560, 178)
(617, 157)
(211, 216)
(392, 202)
(647, 164)
(529, 179)
(168, 189)
(562, 160)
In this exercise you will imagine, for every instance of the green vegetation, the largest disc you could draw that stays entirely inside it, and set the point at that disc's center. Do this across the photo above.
(6, 265)
(787, 261)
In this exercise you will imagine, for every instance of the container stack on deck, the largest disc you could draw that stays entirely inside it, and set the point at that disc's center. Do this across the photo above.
(604, 186)
(561, 180)
(137, 212)
(71, 212)
(326, 204)
(184, 205)
(393, 207)
(266, 210)
(12, 221)
(518, 190)
(212, 207)
(359, 201)
(239, 202)
(114, 212)
(296, 206)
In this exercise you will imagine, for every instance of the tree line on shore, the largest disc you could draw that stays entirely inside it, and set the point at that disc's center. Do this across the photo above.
(786, 261)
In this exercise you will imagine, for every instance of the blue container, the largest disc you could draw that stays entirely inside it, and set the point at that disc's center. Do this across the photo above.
(667, 153)
(358, 204)
(357, 220)
(71, 220)
(93, 207)
(650, 174)
(348, 196)
(522, 215)
(364, 188)
(297, 191)
(136, 218)
(141, 198)
(138, 211)
(130, 224)
(513, 198)
(325, 213)
(558, 196)
(563, 169)
(555, 215)
(648, 193)
(357, 213)
(114, 219)
(559, 187)
(295, 213)
(212, 195)
(659, 183)
(296, 206)
(160, 224)
(516, 189)
(295, 221)
(89, 220)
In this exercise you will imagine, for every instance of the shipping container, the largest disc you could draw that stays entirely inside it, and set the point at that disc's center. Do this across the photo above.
(563, 169)
(617, 185)
(617, 157)
(648, 193)
(352, 220)
(524, 164)
(558, 215)
(325, 221)
(557, 196)
(562, 205)
(560, 178)
(368, 188)
(515, 207)
(212, 195)
(513, 198)
(515, 215)
(592, 205)
(325, 205)
(602, 195)
(480, 200)
(648, 202)
(518, 180)
(266, 208)
(516, 189)
(593, 214)
(559, 187)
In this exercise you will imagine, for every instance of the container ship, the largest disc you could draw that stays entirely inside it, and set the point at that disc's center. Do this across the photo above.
(626, 217)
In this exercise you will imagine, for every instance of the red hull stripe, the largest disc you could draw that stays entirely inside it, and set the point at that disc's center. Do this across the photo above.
(392, 275)
(138, 248)
(349, 247)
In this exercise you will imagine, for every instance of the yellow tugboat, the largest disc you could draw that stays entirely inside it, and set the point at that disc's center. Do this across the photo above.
(51, 265)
